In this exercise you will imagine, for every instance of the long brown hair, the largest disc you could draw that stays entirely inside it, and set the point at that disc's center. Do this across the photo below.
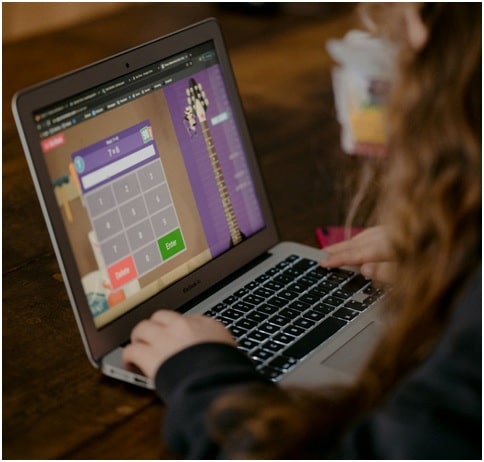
(430, 202)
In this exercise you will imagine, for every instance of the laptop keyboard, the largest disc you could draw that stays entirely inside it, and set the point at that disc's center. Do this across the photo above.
(288, 311)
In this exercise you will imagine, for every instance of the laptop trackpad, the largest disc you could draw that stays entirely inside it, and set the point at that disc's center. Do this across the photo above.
(353, 354)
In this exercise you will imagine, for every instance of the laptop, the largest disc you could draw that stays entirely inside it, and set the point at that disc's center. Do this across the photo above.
(152, 196)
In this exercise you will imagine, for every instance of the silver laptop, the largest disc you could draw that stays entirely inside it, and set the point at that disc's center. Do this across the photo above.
(153, 198)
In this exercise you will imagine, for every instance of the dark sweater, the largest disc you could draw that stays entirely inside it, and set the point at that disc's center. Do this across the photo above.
(434, 413)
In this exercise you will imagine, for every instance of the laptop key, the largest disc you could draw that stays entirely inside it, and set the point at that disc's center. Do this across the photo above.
(340, 293)
(311, 277)
(271, 272)
(283, 264)
(279, 320)
(283, 279)
(339, 274)
(252, 285)
(294, 330)
(210, 314)
(354, 305)
(267, 309)
(355, 284)
(230, 300)
(261, 354)
(315, 337)
(284, 338)
(247, 344)
(219, 307)
(241, 292)
(331, 300)
(257, 316)
(253, 299)
(293, 272)
(304, 323)
(290, 313)
(243, 306)
(258, 336)
(283, 363)
(305, 264)
(298, 305)
(237, 332)
(318, 272)
(319, 291)
(273, 346)
(232, 314)
(273, 285)
(262, 278)
(278, 302)
(227, 322)
(309, 298)
(314, 315)
(307, 281)
(258, 362)
(270, 373)
(324, 308)
(372, 290)
(246, 323)
(264, 292)
(346, 314)
(269, 328)
(295, 287)
(287, 294)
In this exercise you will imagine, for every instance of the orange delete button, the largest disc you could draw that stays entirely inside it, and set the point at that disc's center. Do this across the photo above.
(122, 272)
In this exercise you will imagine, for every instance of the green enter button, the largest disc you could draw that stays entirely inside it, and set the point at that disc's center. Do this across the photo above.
(171, 244)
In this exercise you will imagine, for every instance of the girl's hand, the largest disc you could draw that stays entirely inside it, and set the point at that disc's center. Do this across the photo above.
(166, 333)
(370, 250)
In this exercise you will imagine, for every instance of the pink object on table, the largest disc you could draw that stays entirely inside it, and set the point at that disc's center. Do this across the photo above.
(327, 235)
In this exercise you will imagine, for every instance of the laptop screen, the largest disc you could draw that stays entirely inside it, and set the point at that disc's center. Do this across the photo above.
(151, 178)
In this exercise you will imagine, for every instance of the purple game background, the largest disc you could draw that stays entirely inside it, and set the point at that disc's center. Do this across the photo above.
(226, 141)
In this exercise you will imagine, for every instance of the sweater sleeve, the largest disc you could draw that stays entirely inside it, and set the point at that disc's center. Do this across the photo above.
(188, 382)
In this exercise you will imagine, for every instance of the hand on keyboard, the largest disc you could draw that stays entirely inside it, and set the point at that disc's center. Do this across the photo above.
(156, 339)
(370, 250)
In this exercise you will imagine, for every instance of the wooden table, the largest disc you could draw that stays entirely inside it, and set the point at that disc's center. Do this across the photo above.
(55, 405)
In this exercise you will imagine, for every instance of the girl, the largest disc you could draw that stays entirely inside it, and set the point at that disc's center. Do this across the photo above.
(419, 396)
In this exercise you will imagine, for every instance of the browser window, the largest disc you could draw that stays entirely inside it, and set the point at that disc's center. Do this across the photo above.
(151, 178)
